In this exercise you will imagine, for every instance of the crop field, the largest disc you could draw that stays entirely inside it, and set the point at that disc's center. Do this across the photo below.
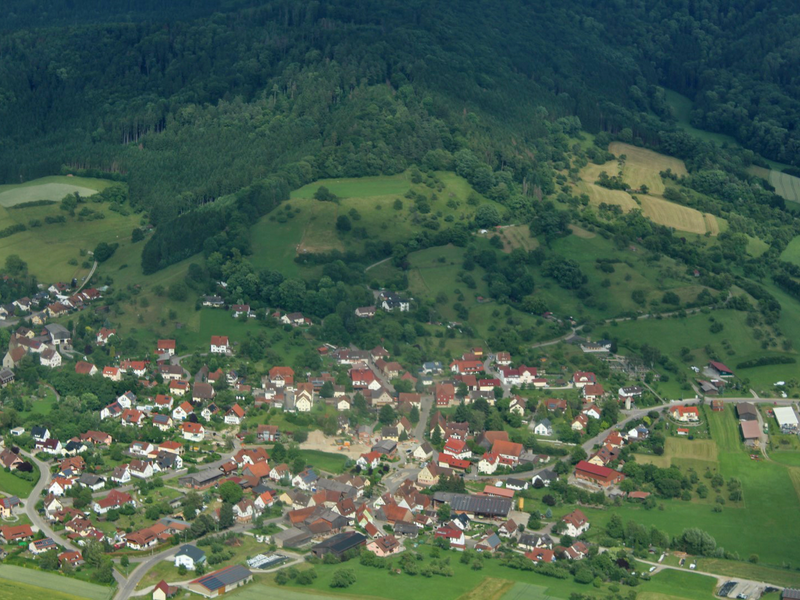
(50, 188)
(15, 582)
(786, 186)
(684, 452)
(642, 167)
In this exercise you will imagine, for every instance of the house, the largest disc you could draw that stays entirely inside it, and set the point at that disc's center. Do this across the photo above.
(8, 505)
(343, 404)
(132, 418)
(243, 510)
(163, 422)
(488, 543)
(719, 369)
(280, 471)
(424, 451)
(41, 546)
(304, 397)
(143, 469)
(112, 373)
(508, 452)
(268, 433)
(50, 446)
(213, 302)
(40, 434)
(70, 557)
(365, 312)
(390, 301)
(431, 473)
(182, 411)
(386, 545)
(166, 347)
(576, 523)
(541, 555)
(580, 423)
(516, 484)
(591, 410)
(452, 534)
(194, 432)
(509, 529)
(6, 377)
(306, 480)
(282, 377)
(590, 347)
(168, 460)
(445, 394)
(369, 460)
(97, 438)
(583, 378)
(457, 449)
(466, 367)
(234, 415)
(598, 475)
(751, 432)
(517, 405)
(543, 427)
(685, 414)
(592, 392)
(93, 482)
(364, 379)
(241, 309)
(15, 533)
(555, 404)
(717, 405)
(488, 463)
(219, 344)
(142, 539)
(13, 357)
(295, 319)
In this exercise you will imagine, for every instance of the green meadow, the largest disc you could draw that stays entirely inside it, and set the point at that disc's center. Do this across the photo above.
(27, 584)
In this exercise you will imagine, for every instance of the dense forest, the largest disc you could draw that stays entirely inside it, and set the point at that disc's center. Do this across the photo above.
(204, 99)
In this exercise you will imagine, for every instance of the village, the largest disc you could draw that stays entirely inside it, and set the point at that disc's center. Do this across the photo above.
(201, 453)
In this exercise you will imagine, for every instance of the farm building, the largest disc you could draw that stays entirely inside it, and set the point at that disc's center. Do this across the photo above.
(717, 405)
(475, 506)
(339, 544)
(719, 369)
(747, 411)
(599, 475)
(220, 582)
(750, 431)
(787, 419)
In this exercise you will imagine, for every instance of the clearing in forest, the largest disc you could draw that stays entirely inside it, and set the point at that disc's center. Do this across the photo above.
(642, 166)
(518, 236)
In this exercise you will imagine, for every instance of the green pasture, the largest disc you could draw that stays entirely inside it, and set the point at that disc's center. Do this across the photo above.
(18, 583)
(792, 251)
(16, 486)
(769, 494)
(329, 462)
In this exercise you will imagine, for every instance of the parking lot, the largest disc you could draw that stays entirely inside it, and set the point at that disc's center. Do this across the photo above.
(740, 590)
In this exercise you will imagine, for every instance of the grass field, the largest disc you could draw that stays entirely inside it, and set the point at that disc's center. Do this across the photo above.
(16, 486)
(786, 186)
(50, 188)
(16, 583)
(325, 461)
(792, 251)
(276, 243)
(642, 166)
(769, 495)
(49, 248)
(670, 583)
(517, 236)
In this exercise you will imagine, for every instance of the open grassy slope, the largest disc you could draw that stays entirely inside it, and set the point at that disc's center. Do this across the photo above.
(50, 188)
(24, 584)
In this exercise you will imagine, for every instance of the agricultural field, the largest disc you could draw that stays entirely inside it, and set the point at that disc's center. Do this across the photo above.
(748, 529)
(50, 188)
(642, 167)
(369, 202)
(16, 583)
(514, 236)
(684, 453)
(786, 186)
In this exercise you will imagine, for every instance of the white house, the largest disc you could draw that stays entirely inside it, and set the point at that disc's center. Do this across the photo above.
(194, 432)
(219, 344)
(488, 463)
(190, 556)
(576, 523)
(544, 427)
(369, 460)
(50, 358)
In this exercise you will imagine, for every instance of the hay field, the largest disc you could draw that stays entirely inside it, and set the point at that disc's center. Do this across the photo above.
(677, 450)
(518, 236)
(642, 166)
(786, 186)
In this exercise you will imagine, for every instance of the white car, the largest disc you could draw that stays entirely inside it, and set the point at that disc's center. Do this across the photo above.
(652, 569)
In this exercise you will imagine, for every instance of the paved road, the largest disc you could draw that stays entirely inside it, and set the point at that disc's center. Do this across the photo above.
(720, 578)
(87, 278)
(33, 498)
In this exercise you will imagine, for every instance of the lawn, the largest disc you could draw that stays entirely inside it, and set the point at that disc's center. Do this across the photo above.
(748, 570)
(47, 585)
(11, 484)
(769, 495)
(42, 406)
(671, 583)
(684, 453)
(325, 461)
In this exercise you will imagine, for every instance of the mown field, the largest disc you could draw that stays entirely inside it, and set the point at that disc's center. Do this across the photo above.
(16, 486)
(329, 462)
(50, 188)
(770, 492)
(683, 452)
(642, 167)
(26, 584)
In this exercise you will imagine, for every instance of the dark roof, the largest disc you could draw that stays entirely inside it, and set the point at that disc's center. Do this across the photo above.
(791, 594)
(192, 552)
(484, 505)
(341, 542)
(227, 576)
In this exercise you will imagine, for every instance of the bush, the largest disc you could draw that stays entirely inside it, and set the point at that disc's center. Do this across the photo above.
(343, 578)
